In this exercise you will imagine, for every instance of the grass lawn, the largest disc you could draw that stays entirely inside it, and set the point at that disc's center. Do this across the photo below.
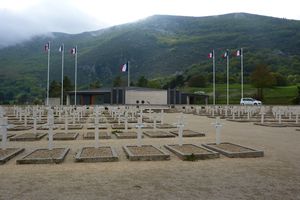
(275, 95)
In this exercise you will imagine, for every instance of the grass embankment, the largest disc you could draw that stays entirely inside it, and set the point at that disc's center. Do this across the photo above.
(272, 96)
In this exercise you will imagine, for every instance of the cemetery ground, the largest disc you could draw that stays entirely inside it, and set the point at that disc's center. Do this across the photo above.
(274, 176)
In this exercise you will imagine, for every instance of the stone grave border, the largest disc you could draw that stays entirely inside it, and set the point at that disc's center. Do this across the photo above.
(6, 158)
(252, 153)
(122, 135)
(58, 160)
(193, 156)
(18, 138)
(168, 135)
(66, 138)
(112, 158)
(143, 157)
(194, 134)
(106, 136)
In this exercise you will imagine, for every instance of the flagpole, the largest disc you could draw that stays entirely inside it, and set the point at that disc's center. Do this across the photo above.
(48, 75)
(227, 77)
(128, 84)
(242, 73)
(62, 74)
(214, 79)
(75, 75)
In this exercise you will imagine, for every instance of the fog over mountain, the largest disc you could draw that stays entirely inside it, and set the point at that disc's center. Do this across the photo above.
(49, 16)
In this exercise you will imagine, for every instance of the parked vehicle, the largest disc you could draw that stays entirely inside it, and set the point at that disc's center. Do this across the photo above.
(250, 101)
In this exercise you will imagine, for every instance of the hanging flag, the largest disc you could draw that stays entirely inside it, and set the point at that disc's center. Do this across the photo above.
(225, 55)
(74, 51)
(124, 68)
(47, 46)
(211, 55)
(238, 52)
(61, 48)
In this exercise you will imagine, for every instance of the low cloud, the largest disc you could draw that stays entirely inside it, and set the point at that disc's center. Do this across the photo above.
(49, 16)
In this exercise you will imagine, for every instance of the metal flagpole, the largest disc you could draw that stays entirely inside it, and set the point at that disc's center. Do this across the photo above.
(62, 74)
(75, 75)
(227, 55)
(48, 75)
(242, 73)
(128, 84)
(214, 79)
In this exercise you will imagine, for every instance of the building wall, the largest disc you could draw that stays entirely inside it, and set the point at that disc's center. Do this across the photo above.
(149, 97)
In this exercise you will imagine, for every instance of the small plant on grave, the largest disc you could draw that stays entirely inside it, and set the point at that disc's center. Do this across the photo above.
(191, 157)
(116, 131)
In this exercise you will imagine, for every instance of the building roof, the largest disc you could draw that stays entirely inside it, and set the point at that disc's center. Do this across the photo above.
(108, 90)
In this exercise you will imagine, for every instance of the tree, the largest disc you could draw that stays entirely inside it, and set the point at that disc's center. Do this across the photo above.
(197, 81)
(262, 78)
(96, 84)
(142, 82)
(55, 89)
(117, 82)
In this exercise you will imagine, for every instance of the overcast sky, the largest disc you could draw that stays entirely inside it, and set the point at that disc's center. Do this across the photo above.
(21, 19)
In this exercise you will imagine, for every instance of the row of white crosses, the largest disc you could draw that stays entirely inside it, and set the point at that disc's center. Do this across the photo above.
(3, 127)
(279, 111)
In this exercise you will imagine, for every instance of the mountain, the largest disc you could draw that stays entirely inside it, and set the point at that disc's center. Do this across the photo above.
(157, 46)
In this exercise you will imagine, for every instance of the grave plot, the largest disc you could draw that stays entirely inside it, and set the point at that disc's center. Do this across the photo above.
(9, 135)
(269, 124)
(102, 135)
(7, 154)
(46, 127)
(162, 126)
(125, 135)
(100, 154)
(44, 156)
(189, 133)
(99, 127)
(28, 137)
(145, 153)
(73, 127)
(158, 134)
(112, 121)
(148, 120)
(234, 150)
(16, 122)
(19, 128)
(119, 126)
(132, 121)
(191, 152)
(65, 136)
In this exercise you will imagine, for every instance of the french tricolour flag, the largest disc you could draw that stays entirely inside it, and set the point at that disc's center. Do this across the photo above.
(74, 51)
(47, 46)
(211, 55)
(124, 68)
(238, 52)
(61, 48)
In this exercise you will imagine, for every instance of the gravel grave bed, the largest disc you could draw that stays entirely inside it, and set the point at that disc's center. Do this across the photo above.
(234, 150)
(144, 150)
(99, 127)
(165, 126)
(9, 135)
(74, 126)
(158, 134)
(191, 152)
(271, 124)
(102, 135)
(231, 147)
(20, 128)
(126, 135)
(44, 156)
(96, 152)
(189, 133)
(9, 153)
(100, 154)
(65, 136)
(46, 127)
(27, 137)
(189, 148)
(145, 153)
(119, 126)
